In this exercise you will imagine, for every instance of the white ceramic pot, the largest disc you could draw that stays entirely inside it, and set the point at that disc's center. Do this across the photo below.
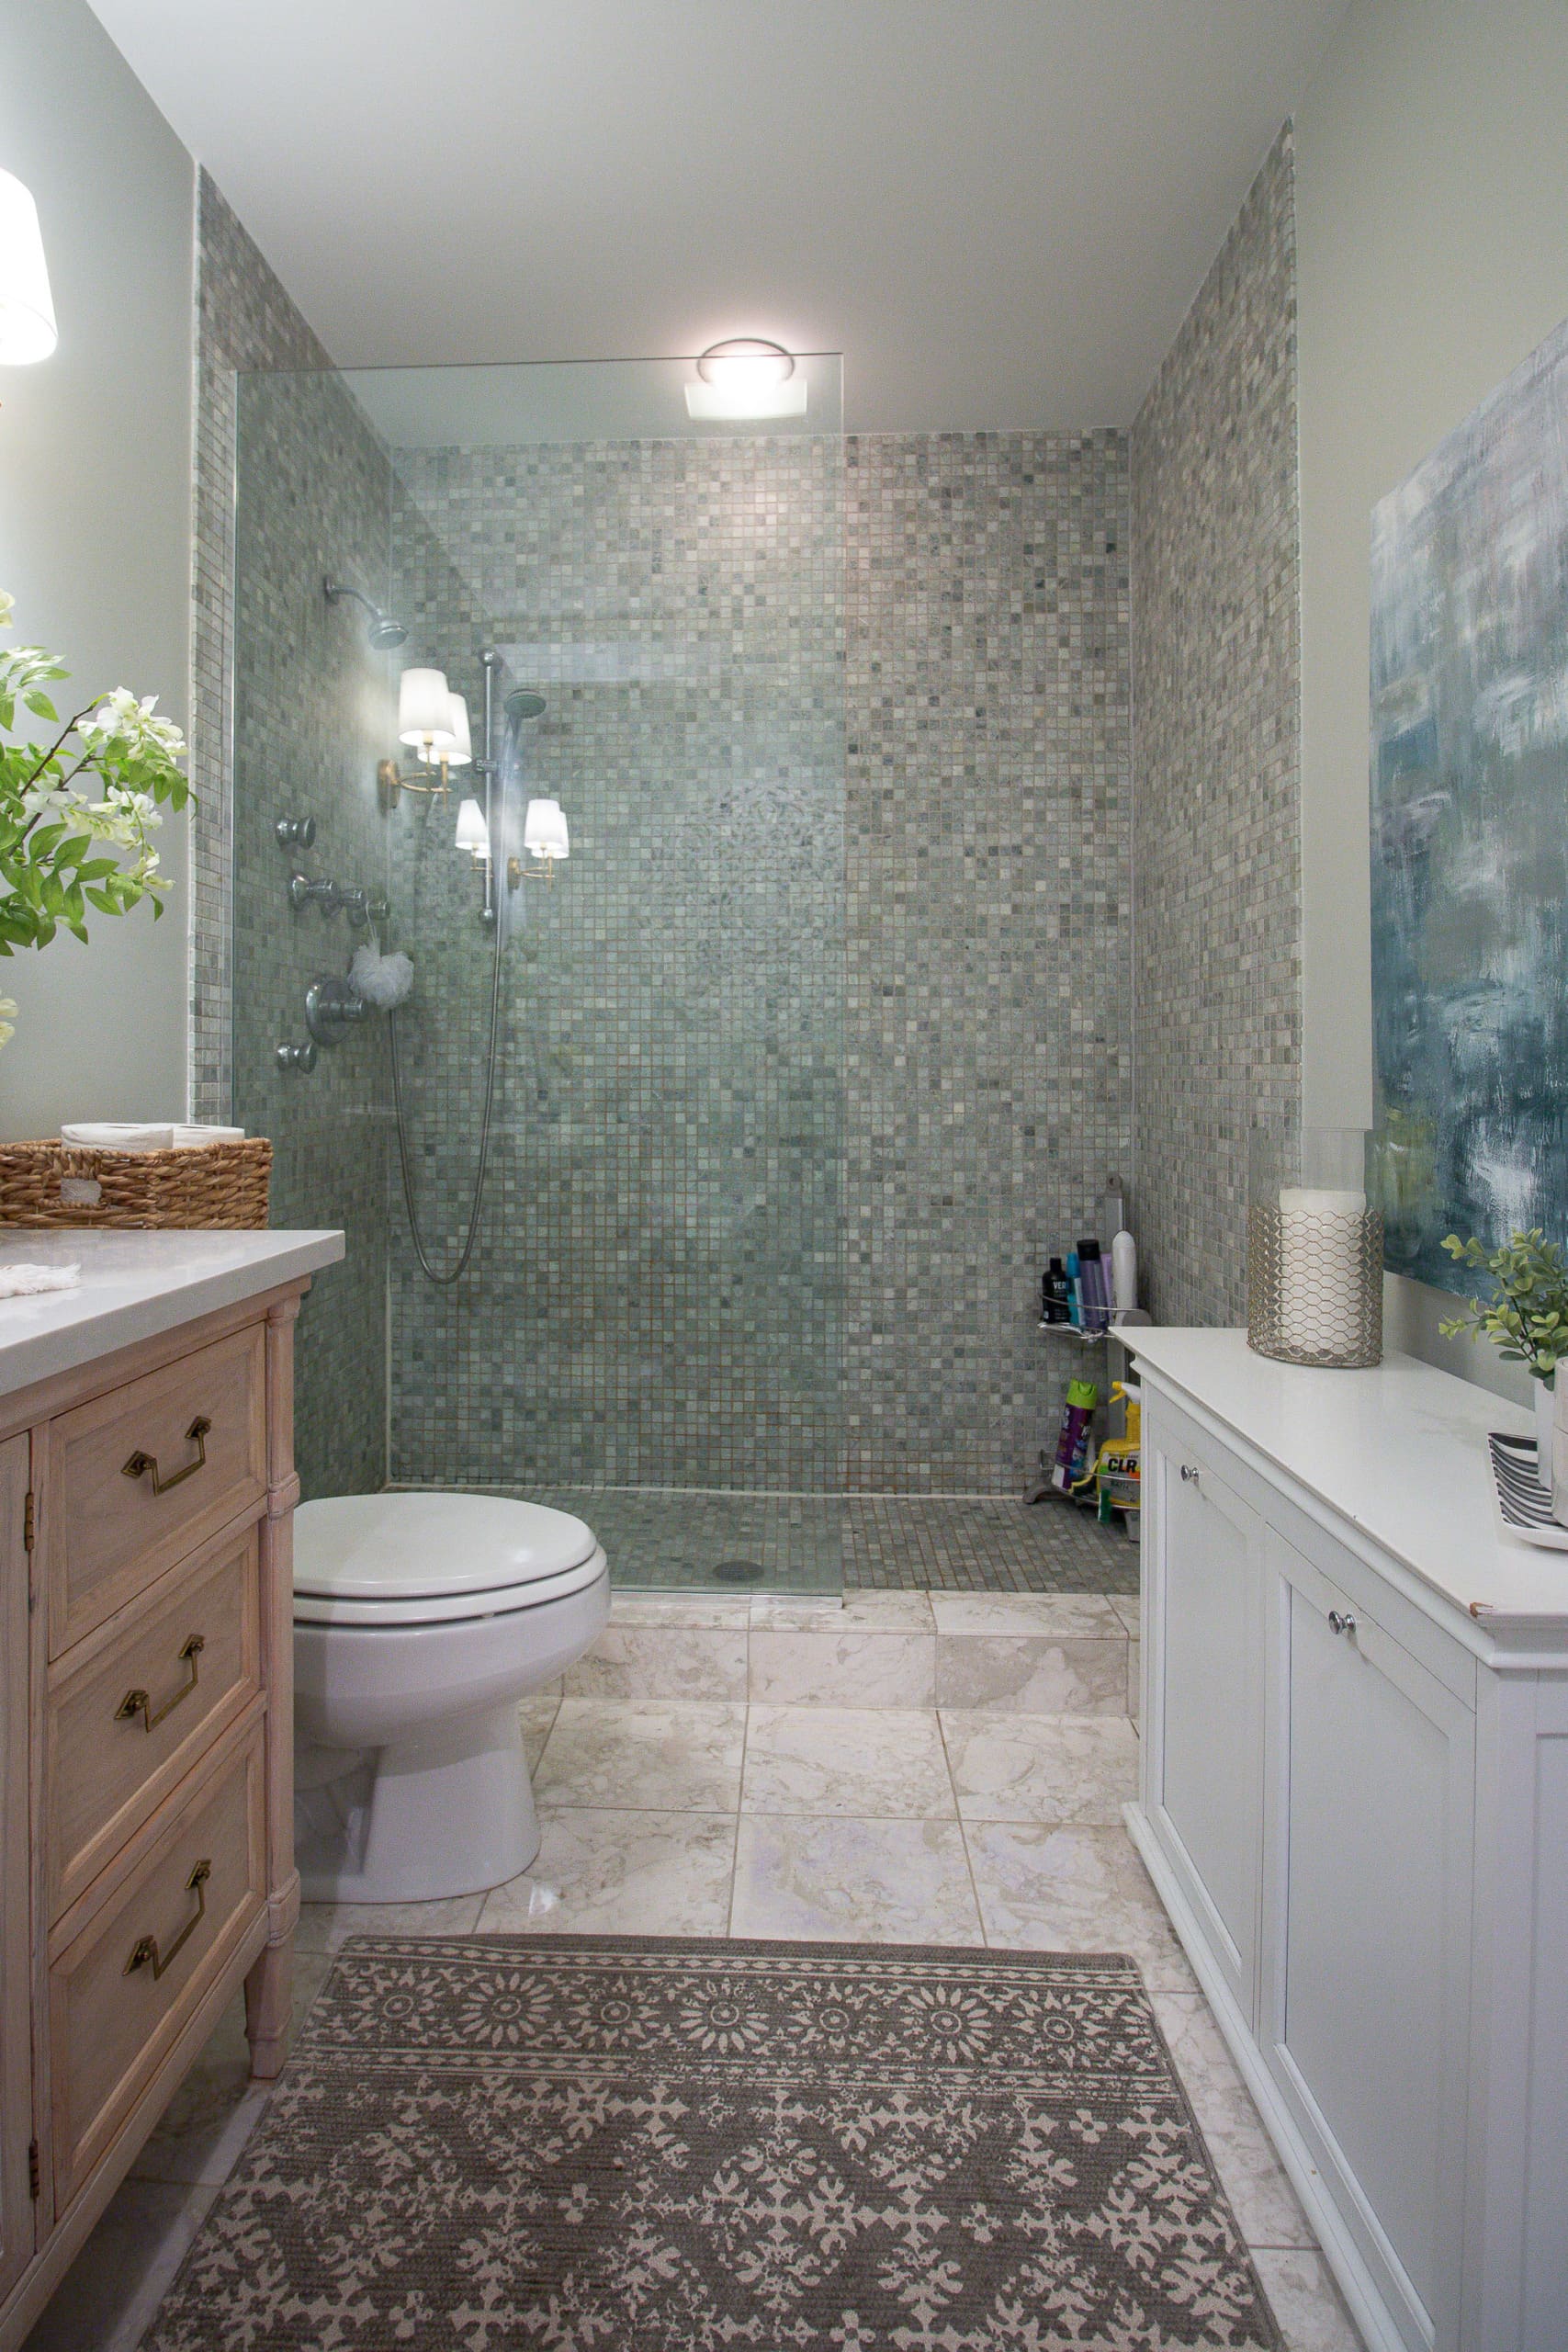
(1560, 1453)
(1545, 1429)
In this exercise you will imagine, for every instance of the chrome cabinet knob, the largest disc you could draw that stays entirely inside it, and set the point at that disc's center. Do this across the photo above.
(1189, 1475)
(1341, 1622)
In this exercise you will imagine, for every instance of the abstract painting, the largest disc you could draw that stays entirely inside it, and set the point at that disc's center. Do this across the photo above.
(1470, 827)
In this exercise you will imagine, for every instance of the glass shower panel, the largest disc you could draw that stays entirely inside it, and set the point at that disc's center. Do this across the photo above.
(310, 706)
(649, 1327)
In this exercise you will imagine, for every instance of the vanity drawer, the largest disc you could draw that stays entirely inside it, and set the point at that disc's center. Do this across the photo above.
(189, 1650)
(144, 1475)
(110, 2023)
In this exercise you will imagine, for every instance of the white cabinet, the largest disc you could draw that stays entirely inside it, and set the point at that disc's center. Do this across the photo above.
(1207, 1595)
(1364, 2000)
(1354, 1803)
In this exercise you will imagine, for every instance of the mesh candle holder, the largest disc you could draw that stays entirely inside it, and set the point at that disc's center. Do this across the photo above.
(1313, 1250)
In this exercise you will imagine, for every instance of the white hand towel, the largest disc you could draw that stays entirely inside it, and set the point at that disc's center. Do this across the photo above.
(191, 1138)
(21, 1280)
(113, 1135)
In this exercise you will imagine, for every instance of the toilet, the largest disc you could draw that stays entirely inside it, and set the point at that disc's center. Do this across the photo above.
(419, 1621)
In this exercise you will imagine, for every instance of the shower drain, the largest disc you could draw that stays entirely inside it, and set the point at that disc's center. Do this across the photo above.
(737, 1572)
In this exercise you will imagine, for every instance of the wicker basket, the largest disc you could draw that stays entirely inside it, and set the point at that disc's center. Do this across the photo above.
(65, 1185)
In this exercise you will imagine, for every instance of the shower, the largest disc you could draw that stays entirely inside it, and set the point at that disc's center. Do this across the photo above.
(384, 634)
(520, 706)
(600, 1236)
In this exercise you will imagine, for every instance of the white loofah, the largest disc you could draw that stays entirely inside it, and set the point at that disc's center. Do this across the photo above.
(382, 980)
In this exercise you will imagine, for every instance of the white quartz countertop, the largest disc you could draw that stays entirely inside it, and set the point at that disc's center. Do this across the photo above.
(135, 1285)
(1400, 1453)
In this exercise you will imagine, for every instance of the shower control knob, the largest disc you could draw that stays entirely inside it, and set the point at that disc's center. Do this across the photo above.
(300, 1058)
(295, 833)
(332, 1007)
(303, 892)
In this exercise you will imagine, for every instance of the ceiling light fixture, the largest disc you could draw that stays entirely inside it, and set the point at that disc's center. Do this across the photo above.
(745, 376)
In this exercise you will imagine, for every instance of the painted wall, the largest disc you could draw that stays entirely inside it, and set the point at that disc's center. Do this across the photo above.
(95, 526)
(1431, 205)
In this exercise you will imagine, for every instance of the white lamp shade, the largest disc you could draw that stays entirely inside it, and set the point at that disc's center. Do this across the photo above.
(473, 833)
(462, 752)
(27, 331)
(424, 708)
(544, 830)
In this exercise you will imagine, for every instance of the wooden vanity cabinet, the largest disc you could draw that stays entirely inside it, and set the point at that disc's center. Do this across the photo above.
(146, 1764)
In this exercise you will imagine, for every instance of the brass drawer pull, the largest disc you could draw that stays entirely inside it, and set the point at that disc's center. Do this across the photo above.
(147, 1949)
(138, 1702)
(197, 1432)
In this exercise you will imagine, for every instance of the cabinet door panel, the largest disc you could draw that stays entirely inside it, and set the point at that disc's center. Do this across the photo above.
(1372, 1875)
(18, 2211)
(1210, 1696)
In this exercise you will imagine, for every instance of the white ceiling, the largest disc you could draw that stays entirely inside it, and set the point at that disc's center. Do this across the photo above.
(997, 210)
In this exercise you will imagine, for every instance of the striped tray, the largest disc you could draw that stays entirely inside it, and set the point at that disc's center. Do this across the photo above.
(1524, 1506)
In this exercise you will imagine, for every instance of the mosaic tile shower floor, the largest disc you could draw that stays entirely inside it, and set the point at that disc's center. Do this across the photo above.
(703, 1540)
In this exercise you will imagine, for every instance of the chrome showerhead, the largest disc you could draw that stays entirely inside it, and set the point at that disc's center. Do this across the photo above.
(384, 634)
(521, 704)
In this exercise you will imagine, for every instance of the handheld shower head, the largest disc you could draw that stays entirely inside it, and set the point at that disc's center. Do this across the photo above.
(384, 634)
(522, 704)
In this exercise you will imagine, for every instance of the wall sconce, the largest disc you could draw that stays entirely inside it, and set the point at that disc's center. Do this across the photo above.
(433, 722)
(27, 332)
(545, 837)
(473, 833)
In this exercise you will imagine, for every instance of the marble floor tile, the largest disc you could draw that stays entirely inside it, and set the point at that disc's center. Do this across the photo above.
(1033, 1674)
(1041, 1767)
(878, 1882)
(537, 1715)
(661, 1660)
(1266, 2205)
(856, 1613)
(1083, 1616)
(1061, 1888)
(694, 1612)
(107, 2299)
(622, 1873)
(876, 1762)
(665, 1755)
(212, 2114)
(324, 1926)
(1305, 2300)
(1129, 1607)
(842, 1669)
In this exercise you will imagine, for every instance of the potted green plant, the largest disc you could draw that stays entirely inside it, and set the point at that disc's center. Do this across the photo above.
(77, 811)
(1525, 1318)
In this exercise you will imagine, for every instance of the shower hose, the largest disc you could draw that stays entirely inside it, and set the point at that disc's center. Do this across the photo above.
(441, 1277)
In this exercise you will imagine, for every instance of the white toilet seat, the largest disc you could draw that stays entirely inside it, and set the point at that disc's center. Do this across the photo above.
(425, 1559)
(444, 1609)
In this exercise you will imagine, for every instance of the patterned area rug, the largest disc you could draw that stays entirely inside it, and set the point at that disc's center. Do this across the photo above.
(592, 2144)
